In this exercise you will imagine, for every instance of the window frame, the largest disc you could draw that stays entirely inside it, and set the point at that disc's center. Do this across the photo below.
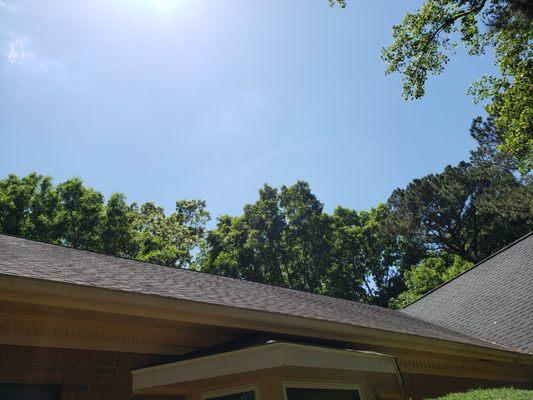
(321, 385)
(231, 390)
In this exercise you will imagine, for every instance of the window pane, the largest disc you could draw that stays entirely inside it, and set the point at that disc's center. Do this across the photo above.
(237, 396)
(28, 392)
(321, 394)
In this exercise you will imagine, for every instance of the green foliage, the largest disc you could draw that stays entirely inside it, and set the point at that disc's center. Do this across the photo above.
(491, 394)
(285, 238)
(340, 3)
(306, 237)
(171, 239)
(74, 215)
(488, 138)
(366, 256)
(428, 274)
(119, 234)
(251, 246)
(81, 214)
(468, 210)
(29, 207)
(424, 41)
(281, 239)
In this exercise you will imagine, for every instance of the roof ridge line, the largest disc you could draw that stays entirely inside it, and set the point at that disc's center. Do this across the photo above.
(469, 269)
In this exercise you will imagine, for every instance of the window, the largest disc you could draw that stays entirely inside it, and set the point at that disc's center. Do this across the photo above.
(314, 391)
(11, 391)
(238, 393)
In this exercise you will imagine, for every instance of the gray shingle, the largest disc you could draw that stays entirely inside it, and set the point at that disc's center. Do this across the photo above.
(492, 301)
(26, 258)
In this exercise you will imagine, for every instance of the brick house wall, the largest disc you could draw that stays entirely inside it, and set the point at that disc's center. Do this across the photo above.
(82, 374)
(105, 375)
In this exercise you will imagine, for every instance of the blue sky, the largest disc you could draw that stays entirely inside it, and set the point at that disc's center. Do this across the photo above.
(169, 99)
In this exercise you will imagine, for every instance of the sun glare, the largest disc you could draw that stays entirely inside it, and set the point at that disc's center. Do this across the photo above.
(163, 7)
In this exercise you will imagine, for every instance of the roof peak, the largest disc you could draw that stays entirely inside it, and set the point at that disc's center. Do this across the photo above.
(471, 268)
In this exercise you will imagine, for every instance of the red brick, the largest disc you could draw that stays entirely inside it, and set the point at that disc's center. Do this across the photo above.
(111, 396)
(102, 387)
(84, 396)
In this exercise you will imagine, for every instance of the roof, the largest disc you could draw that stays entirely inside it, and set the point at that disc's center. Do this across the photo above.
(493, 300)
(31, 259)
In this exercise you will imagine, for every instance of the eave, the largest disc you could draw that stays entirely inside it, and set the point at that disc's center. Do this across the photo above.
(58, 294)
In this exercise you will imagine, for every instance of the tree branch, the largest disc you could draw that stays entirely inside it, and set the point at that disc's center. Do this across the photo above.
(451, 21)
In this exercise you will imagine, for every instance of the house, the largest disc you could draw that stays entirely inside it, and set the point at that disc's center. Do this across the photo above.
(79, 325)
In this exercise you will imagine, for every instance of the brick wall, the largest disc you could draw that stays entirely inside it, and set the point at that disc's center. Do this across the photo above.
(104, 375)
(82, 374)
(419, 387)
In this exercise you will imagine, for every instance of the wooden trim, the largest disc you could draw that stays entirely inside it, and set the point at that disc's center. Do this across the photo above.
(232, 390)
(59, 294)
(50, 332)
(267, 356)
(465, 369)
(43, 326)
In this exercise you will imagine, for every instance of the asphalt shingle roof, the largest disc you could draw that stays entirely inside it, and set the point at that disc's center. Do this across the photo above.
(491, 301)
(32, 259)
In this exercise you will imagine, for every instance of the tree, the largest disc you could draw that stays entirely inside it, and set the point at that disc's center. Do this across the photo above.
(81, 215)
(281, 239)
(285, 238)
(44, 210)
(170, 240)
(366, 257)
(424, 41)
(29, 207)
(250, 246)
(188, 225)
(119, 236)
(488, 136)
(306, 238)
(469, 210)
(428, 274)
(74, 215)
